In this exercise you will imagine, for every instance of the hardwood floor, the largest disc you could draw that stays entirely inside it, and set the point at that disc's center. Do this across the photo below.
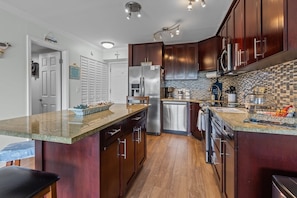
(175, 167)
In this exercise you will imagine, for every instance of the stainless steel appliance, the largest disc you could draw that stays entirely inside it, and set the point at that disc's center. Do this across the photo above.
(205, 134)
(226, 58)
(284, 187)
(149, 81)
(175, 117)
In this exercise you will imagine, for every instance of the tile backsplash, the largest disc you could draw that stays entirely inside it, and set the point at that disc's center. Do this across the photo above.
(280, 82)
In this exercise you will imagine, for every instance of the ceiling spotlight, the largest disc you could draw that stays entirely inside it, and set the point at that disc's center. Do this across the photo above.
(132, 8)
(190, 7)
(177, 31)
(138, 14)
(167, 32)
(129, 16)
(107, 44)
(203, 4)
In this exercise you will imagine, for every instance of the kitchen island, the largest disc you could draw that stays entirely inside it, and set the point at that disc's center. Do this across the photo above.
(75, 148)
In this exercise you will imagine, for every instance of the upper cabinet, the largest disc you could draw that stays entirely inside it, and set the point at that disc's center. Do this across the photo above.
(264, 28)
(147, 52)
(209, 50)
(181, 61)
(256, 29)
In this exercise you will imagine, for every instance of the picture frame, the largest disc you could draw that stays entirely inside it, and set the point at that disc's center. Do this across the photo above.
(74, 72)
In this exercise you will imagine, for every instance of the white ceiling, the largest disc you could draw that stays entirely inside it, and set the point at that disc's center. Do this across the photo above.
(105, 20)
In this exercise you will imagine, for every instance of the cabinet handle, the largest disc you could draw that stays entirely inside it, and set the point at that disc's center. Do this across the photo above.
(221, 141)
(114, 131)
(255, 47)
(136, 118)
(138, 130)
(139, 136)
(125, 147)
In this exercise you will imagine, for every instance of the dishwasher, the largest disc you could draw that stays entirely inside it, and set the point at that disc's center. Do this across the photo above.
(175, 117)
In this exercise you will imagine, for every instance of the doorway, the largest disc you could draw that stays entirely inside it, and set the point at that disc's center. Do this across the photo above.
(118, 82)
(48, 82)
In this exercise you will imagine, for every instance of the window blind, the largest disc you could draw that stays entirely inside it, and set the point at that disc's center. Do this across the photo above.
(94, 81)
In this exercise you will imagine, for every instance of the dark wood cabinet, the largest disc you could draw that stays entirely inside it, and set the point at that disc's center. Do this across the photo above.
(127, 160)
(261, 155)
(264, 30)
(146, 52)
(209, 51)
(110, 171)
(193, 111)
(123, 151)
(240, 52)
(181, 61)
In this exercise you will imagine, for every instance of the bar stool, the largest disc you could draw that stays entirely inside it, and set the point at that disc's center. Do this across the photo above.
(13, 153)
(20, 182)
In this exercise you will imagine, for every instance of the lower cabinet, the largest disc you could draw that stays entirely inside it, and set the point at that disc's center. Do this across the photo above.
(123, 151)
(193, 111)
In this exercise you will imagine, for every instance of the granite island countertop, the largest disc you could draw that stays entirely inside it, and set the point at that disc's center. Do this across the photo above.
(64, 126)
(236, 122)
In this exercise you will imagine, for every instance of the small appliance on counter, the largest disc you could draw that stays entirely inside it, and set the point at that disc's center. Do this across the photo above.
(180, 94)
(169, 92)
(231, 92)
(187, 94)
(216, 90)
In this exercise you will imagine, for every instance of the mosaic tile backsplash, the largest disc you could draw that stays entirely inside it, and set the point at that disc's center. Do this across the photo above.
(280, 82)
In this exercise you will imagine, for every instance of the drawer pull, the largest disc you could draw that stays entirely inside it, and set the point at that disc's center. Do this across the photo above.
(113, 132)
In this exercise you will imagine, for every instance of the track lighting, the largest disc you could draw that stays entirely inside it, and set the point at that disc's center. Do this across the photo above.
(167, 32)
(190, 6)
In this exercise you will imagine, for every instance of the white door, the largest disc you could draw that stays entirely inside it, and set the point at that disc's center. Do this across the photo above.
(118, 82)
(50, 73)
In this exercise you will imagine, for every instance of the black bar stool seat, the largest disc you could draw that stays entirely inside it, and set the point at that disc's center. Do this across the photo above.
(19, 182)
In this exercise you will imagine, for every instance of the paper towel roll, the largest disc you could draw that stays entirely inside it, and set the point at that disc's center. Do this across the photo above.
(213, 74)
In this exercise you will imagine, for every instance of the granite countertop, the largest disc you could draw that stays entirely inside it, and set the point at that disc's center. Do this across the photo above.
(236, 122)
(64, 126)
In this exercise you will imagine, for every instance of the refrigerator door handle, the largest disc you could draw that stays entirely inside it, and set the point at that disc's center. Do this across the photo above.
(143, 87)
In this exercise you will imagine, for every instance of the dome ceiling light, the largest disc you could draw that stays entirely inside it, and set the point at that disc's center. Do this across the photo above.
(107, 44)
(132, 8)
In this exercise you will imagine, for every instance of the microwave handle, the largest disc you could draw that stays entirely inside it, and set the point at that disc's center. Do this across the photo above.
(221, 60)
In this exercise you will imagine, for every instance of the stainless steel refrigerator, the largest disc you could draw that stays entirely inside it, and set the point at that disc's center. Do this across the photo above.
(149, 81)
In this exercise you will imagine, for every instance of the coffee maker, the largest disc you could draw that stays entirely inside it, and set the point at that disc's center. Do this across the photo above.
(216, 91)
(169, 92)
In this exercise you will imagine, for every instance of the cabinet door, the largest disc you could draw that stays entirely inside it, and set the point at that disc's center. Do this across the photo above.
(229, 171)
(140, 143)
(138, 54)
(208, 53)
(110, 171)
(127, 160)
(194, 109)
(179, 52)
(192, 65)
(272, 26)
(253, 28)
(239, 38)
(154, 53)
(169, 63)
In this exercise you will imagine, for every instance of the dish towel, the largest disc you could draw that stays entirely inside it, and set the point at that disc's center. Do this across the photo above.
(201, 121)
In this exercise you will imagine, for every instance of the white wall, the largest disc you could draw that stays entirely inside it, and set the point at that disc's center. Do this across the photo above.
(13, 64)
